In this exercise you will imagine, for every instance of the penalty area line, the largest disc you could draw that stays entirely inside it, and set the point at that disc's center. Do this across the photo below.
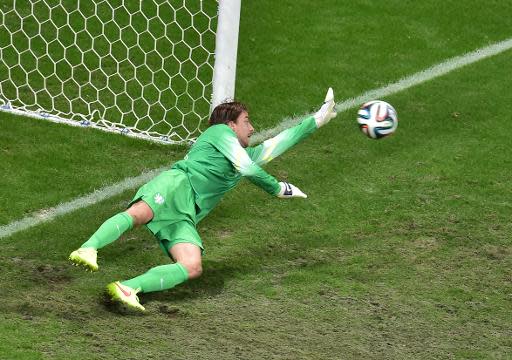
(133, 182)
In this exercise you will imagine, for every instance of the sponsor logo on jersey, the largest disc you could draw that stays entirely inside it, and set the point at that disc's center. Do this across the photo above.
(159, 199)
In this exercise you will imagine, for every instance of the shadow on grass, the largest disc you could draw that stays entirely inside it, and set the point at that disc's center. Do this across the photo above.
(210, 284)
(41, 273)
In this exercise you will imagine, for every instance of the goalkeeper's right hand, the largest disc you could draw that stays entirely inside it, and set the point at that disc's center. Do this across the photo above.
(326, 112)
(289, 191)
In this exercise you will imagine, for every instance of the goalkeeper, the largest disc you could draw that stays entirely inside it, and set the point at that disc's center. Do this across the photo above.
(171, 204)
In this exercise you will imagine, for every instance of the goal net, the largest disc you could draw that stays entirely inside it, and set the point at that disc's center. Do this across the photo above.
(142, 68)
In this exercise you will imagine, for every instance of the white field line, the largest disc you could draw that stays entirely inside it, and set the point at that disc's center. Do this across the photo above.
(403, 84)
(46, 215)
(133, 182)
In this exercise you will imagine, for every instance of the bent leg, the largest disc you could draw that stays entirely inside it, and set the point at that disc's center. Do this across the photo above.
(141, 213)
(138, 214)
(159, 278)
(189, 255)
(163, 277)
(109, 231)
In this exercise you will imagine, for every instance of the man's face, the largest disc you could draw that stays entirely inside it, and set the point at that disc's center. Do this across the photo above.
(242, 128)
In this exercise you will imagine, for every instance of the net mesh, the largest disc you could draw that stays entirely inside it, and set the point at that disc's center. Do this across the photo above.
(138, 67)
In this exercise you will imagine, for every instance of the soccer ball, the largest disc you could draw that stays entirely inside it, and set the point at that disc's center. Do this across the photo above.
(377, 119)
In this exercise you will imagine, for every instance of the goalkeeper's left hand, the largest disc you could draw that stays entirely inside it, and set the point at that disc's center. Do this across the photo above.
(326, 112)
(289, 191)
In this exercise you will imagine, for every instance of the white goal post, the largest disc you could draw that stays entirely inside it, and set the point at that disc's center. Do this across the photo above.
(151, 69)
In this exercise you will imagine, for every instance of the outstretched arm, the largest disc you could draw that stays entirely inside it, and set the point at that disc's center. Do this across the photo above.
(230, 147)
(272, 148)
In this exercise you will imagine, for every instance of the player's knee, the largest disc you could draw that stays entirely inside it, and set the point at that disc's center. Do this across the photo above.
(141, 213)
(194, 269)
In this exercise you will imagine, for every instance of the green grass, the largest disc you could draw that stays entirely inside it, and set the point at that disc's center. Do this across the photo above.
(47, 163)
(401, 251)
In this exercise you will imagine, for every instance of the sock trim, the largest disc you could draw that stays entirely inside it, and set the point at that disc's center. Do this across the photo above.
(183, 269)
(128, 218)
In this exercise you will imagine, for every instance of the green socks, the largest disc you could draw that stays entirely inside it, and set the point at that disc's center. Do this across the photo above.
(110, 231)
(159, 278)
(156, 279)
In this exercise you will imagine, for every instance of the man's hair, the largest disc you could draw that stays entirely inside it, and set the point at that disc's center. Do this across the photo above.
(225, 112)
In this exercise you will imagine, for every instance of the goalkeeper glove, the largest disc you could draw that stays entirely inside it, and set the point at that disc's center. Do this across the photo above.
(288, 191)
(326, 112)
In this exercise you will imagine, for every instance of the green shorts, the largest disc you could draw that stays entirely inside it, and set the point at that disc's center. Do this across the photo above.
(171, 198)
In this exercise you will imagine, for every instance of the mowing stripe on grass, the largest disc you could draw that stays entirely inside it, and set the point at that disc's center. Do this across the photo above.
(133, 182)
(403, 84)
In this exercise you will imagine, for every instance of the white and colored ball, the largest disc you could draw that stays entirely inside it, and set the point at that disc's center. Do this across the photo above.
(377, 119)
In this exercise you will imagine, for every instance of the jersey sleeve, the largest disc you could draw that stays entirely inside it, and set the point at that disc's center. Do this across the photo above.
(273, 147)
(227, 143)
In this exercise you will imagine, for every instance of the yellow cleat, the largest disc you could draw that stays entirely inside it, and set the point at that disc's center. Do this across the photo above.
(124, 295)
(85, 257)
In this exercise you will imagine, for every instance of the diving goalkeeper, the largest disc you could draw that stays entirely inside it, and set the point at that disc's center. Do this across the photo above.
(172, 203)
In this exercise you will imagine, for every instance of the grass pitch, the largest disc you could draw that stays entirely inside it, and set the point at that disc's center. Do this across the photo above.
(401, 251)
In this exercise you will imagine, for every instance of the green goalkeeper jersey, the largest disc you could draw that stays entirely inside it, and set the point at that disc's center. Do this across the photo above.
(216, 162)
